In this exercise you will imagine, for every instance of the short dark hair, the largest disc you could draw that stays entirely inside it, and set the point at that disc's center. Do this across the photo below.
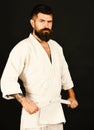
(41, 8)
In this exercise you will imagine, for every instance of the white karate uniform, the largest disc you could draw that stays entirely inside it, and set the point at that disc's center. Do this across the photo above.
(48, 127)
(42, 80)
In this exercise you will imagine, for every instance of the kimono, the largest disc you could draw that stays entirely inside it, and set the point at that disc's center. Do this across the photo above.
(43, 80)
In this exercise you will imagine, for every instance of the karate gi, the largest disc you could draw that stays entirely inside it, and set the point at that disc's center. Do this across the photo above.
(42, 79)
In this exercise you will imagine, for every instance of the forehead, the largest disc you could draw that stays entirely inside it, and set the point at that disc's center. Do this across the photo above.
(44, 16)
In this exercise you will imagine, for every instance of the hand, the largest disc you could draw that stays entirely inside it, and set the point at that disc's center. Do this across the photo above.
(74, 103)
(29, 106)
(72, 99)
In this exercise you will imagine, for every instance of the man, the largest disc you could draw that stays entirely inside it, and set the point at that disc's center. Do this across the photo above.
(39, 62)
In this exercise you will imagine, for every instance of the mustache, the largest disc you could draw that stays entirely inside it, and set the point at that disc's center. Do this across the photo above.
(45, 29)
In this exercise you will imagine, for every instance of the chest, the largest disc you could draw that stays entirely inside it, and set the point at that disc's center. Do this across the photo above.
(47, 49)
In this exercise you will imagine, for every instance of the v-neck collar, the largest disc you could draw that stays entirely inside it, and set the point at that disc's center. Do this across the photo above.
(43, 50)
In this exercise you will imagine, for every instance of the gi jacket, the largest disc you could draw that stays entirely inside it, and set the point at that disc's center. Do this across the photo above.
(43, 79)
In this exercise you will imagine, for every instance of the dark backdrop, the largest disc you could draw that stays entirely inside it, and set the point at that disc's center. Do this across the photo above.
(73, 30)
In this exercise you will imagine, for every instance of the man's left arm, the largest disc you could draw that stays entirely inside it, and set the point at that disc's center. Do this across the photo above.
(72, 98)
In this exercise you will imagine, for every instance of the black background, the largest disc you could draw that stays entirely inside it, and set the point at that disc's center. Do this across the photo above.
(73, 30)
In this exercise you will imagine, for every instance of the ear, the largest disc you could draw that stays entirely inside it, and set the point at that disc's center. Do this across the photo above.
(32, 22)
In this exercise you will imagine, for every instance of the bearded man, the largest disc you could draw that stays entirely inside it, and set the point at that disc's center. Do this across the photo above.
(39, 62)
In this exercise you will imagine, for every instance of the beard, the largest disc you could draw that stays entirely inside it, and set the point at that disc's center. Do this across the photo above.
(44, 34)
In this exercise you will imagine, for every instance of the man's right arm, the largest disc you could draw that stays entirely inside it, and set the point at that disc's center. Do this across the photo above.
(28, 105)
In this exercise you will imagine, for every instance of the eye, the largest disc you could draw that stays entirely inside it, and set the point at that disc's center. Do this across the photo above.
(50, 21)
(41, 20)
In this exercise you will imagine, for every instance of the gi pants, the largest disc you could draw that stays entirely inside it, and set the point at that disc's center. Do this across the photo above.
(48, 127)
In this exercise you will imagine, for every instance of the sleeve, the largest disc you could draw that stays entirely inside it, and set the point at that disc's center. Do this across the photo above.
(66, 79)
(12, 70)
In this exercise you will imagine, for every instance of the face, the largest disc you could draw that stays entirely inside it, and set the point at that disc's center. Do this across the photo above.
(42, 26)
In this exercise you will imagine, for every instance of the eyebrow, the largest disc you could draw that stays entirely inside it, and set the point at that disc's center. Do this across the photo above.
(46, 20)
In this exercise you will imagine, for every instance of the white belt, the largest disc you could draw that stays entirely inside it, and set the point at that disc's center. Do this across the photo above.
(63, 101)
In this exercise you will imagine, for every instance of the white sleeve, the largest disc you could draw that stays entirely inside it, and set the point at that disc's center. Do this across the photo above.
(12, 70)
(66, 79)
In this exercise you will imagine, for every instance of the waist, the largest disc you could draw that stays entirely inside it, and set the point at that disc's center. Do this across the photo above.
(42, 101)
